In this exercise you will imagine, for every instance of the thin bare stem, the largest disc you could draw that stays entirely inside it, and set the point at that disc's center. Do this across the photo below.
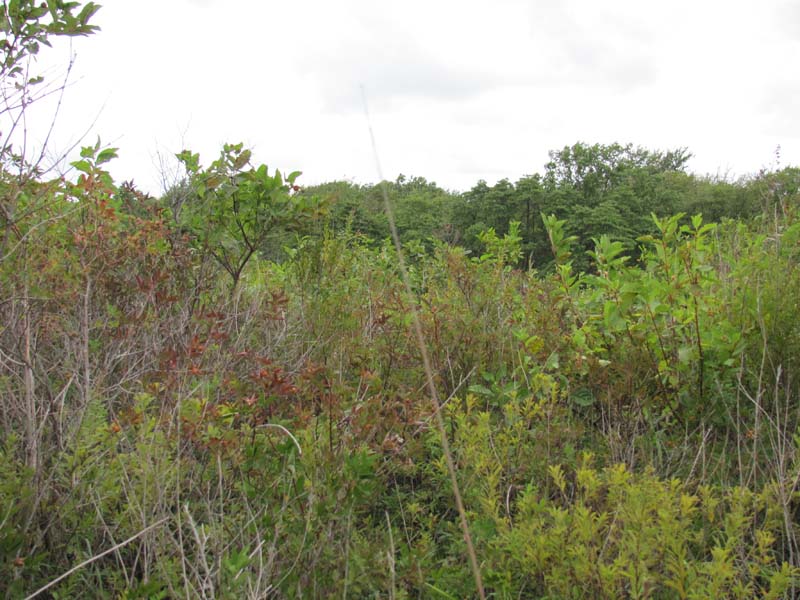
(423, 350)
(96, 557)
(287, 432)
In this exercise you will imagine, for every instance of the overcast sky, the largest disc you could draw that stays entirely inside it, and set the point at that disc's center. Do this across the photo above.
(458, 90)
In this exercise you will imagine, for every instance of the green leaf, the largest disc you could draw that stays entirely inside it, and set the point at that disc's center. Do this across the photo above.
(83, 166)
(87, 12)
(439, 592)
(106, 155)
(481, 390)
(582, 397)
(612, 317)
(236, 561)
(191, 162)
(242, 160)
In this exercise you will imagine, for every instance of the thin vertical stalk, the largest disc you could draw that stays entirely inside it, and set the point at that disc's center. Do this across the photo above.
(85, 339)
(423, 350)
(31, 427)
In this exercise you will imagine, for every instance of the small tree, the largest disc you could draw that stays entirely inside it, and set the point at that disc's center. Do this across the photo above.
(26, 26)
(233, 207)
(29, 205)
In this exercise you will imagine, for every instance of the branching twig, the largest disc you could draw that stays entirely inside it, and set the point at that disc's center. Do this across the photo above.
(96, 557)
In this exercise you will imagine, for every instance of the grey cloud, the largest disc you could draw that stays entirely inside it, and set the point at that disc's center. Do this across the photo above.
(567, 48)
(596, 50)
(787, 19)
(388, 57)
(616, 65)
(779, 110)
(390, 74)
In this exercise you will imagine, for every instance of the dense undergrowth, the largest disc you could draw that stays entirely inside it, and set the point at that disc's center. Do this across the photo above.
(630, 432)
(183, 417)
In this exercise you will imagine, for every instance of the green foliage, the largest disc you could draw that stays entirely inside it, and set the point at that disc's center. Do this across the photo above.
(622, 418)
(26, 25)
(611, 534)
(283, 438)
(235, 208)
(668, 309)
(505, 251)
(597, 189)
(422, 209)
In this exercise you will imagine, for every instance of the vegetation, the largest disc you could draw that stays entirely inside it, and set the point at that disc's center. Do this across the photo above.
(219, 394)
(600, 189)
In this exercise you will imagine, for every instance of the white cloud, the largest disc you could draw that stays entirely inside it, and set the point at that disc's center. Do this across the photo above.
(458, 90)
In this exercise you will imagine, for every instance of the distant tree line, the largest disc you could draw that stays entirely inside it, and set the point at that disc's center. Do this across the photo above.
(598, 189)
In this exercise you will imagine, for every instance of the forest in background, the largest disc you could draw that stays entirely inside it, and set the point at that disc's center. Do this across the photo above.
(218, 393)
(599, 189)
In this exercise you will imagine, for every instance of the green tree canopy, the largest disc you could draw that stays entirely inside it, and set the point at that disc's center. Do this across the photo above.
(234, 206)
